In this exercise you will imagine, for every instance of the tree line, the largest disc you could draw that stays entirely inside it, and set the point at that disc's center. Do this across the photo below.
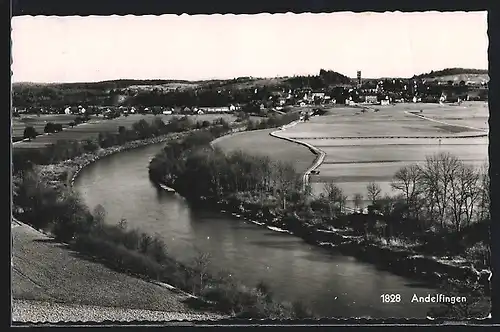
(68, 149)
(451, 71)
(60, 210)
(435, 202)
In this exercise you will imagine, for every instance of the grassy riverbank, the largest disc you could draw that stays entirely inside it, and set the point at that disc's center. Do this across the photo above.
(44, 198)
(402, 234)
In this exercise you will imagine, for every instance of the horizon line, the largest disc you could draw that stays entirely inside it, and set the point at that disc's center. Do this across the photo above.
(232, 78)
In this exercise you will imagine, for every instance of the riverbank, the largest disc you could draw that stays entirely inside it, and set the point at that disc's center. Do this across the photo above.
(47, 275)
(66, 172)
(391, 254)
(397, 259)
(33, 247)
(141, 255)
(400, 260)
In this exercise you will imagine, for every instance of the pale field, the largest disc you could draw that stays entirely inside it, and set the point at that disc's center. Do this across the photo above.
(402, 153)
(100, 125)
(259, 142)
(467, 114)
(393, 121)
(353, 163)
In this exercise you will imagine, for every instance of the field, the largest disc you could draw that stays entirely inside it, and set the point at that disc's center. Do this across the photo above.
(352, 163)
(93, 127)
(18, 124)
(393, 121)
(259, 142)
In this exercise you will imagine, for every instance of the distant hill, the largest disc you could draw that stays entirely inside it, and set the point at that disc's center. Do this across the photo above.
(123, 91)
(456, 74)
(103, 85)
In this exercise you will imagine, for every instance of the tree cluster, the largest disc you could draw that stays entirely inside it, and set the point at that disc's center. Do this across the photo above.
(67, 149)
(444, 191)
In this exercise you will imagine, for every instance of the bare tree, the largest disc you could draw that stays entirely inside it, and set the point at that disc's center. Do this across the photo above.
(335, 196)
(201, 263)
(483, 209)
(408, 180)
(286, 179)
(99, 214)
(358, 200)
(464, 193)
(437, 175)
(374, 192)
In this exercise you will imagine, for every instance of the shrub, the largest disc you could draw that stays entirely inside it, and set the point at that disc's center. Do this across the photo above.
(37, 199)
(479, 253)
(58, 127)
(90, 145)
(117, 255)
(73, 218)
(30, 133)
(49, 128)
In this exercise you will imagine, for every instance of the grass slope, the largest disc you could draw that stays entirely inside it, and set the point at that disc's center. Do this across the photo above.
(46, 271)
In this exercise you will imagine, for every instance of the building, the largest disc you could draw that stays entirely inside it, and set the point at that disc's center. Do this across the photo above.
(317, 95)
(371, 99)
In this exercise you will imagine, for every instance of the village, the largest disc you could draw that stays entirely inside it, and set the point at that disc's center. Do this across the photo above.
(368, 91)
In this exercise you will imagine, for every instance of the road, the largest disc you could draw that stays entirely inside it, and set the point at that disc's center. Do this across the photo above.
(47, 277)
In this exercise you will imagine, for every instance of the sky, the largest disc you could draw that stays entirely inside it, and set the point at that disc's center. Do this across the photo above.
(196, 47)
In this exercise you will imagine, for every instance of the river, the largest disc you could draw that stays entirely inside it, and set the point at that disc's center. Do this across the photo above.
(332, 284)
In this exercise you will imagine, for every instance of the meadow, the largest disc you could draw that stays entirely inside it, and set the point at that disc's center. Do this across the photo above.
(259, 142)
(38, 122)
(92, 128)
(394, 121)
(353, 163)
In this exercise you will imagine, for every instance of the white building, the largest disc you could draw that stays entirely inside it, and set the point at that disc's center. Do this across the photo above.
(371, 99)
(320, 95)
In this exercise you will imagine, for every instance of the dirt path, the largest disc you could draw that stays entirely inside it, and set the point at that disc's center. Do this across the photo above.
(44, 270)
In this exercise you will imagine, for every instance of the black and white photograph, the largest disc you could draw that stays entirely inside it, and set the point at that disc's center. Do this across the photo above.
(228, 167)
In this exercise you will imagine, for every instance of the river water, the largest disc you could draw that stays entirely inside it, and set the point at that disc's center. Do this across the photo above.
(332, 284)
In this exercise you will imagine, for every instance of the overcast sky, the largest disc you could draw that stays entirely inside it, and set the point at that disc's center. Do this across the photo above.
(82, 49)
